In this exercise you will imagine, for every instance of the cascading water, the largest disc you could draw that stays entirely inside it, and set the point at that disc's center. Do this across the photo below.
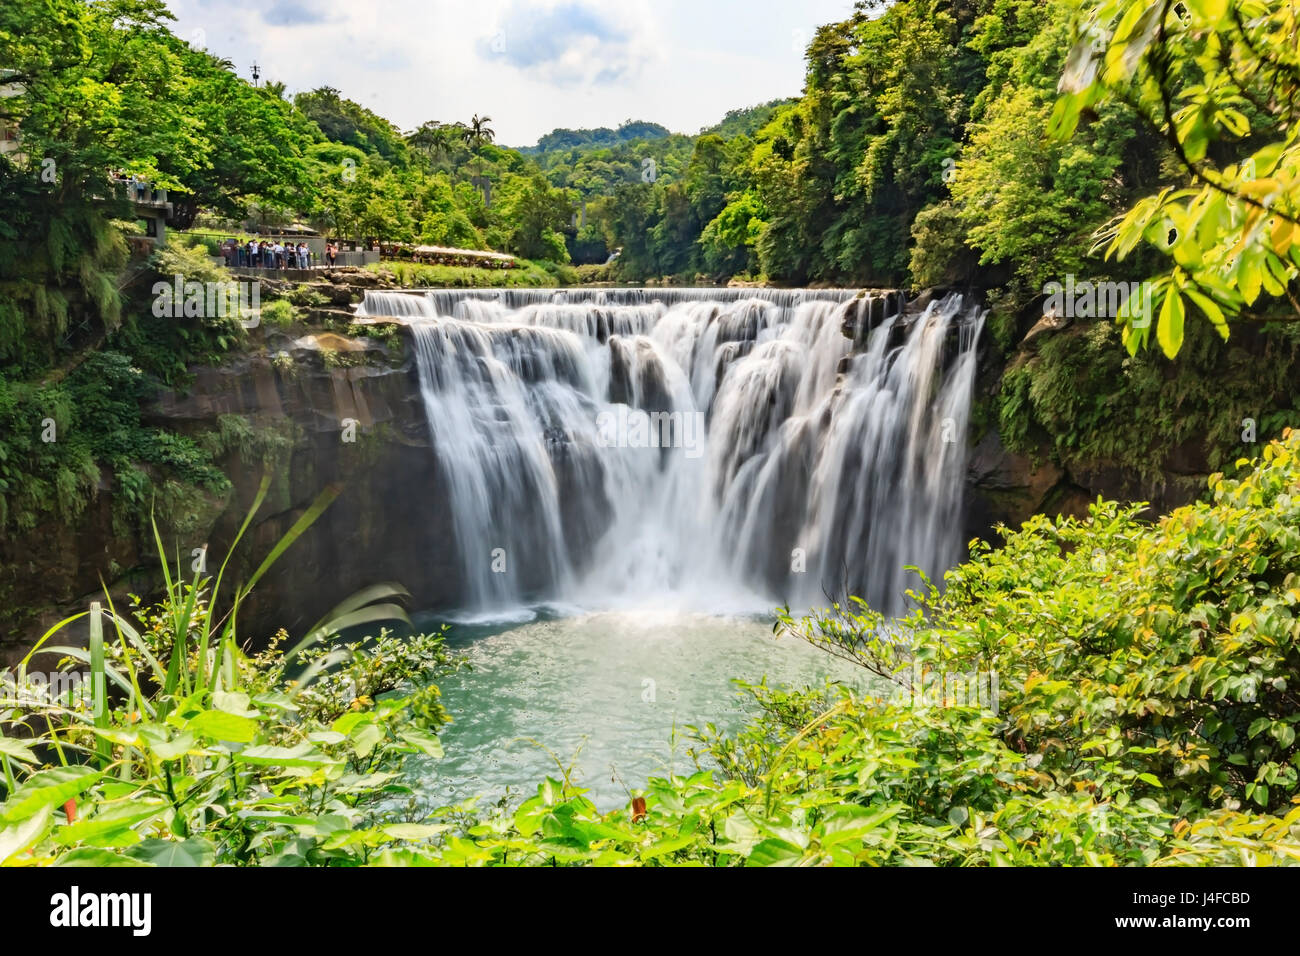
(713, 449)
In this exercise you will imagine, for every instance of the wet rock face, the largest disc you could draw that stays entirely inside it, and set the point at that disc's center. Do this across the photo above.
(308, 426)
(1004, 487)
(360, 430)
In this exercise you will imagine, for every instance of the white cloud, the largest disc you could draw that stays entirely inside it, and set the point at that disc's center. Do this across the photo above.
(532, 65)
(568, 43)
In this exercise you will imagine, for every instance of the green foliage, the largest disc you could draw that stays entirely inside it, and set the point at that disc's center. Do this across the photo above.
(630, 131)
(278, 314)
(165, 346)
(1095, 407)
(250, 147)
(746, 121)
(1022, 201)
(180, 749)
(1151, 661)
(59, 263)
(343, 121)
(527, 274)
(58, 437)
(531, 214)
(1201, 75)
(941, 256)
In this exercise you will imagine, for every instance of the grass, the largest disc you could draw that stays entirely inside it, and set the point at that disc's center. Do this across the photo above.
(528, 274)
(189, 750)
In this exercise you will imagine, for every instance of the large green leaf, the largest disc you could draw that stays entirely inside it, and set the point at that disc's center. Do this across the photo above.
(108, 822)
(303, 755)
(190, 852)
(220, 725)
(20, 836)
(96, 856)
(16, 750)
(46, 790)
(773, 852)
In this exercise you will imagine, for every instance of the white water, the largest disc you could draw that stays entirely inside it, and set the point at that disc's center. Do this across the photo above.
(824, 469)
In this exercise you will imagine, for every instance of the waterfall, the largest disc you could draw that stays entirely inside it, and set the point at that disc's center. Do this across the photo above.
(719, 449)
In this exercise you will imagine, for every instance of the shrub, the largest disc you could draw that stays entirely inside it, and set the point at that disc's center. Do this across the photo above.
(278, 313)
(204, 754)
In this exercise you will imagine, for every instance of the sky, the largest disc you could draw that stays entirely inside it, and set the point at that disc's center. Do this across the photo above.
(532, 65)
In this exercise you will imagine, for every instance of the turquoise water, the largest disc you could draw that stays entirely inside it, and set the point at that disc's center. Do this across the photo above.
(603, 692)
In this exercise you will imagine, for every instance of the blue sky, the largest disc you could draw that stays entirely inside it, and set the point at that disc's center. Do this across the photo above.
(532, 65)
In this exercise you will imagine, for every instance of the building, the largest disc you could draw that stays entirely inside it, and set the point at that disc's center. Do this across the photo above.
(9, 128)
(151, 206)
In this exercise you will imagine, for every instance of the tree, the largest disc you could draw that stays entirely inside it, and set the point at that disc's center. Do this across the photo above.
(252, 144)
(475, 135)
(1218, 80)
(532, 214)
(89, 83)
(706, 177)
(438, 141)
(1020, 199)
(728, 242)
(344, 121)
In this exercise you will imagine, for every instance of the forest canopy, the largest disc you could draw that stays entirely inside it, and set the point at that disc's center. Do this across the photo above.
(997, 144)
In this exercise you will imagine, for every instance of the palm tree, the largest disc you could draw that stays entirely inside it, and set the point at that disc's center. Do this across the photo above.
(475, 135)
(426, 137)
(434, 139)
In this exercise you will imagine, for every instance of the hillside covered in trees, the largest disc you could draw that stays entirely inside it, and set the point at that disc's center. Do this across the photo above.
(918, 155)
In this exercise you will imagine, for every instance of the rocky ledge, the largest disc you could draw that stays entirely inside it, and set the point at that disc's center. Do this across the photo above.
(311, 412)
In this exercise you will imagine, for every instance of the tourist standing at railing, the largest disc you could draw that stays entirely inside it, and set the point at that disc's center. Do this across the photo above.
(254, 253)
(331, 252)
